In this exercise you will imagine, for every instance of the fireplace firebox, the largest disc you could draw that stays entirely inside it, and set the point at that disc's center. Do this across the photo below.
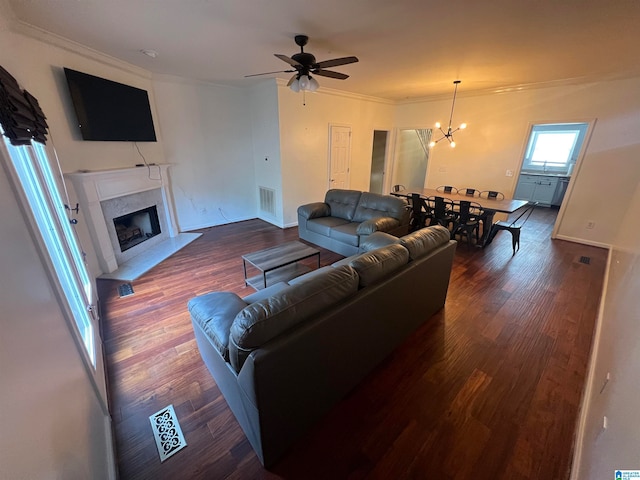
(137, 227)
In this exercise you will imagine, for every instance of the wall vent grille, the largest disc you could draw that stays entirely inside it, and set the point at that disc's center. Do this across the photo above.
(267, 200)
(585, 260)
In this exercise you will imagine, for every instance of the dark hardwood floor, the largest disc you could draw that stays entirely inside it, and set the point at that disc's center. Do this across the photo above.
(489, 388)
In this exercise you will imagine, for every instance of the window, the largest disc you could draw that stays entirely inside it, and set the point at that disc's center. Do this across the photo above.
(33, 171)
(554, 147)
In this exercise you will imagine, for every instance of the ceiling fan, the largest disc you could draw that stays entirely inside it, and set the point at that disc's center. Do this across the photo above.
(305, 64)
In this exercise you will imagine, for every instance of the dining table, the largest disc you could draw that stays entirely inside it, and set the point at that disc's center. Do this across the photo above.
(491, 206)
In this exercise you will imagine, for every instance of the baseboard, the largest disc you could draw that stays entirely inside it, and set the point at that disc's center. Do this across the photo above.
(189, 228)
(583, 241)
(590, 382)
(112, 469)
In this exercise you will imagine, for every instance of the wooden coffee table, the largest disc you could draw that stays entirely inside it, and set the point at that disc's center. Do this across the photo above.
(278, 264)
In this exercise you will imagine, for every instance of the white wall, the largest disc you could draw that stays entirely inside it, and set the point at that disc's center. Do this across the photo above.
(207, 138)
(498, 126)
(52, 424)
(617, 350)
(265, 126)
(304, 141)
(37, 65)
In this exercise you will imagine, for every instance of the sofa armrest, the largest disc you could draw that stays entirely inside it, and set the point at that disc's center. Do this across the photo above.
(314, 210)
(374, 241)
(380, 224)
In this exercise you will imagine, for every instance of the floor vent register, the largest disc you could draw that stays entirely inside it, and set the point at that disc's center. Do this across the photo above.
(167, 432)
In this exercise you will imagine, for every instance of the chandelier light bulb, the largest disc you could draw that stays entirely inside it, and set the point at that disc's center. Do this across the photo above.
(437, 124)
(453, 144)
(432, 144)
(463, 126)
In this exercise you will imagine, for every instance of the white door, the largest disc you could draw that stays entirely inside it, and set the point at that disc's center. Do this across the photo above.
(340, 156)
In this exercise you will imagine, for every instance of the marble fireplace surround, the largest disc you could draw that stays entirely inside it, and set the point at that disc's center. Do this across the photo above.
(105, 194)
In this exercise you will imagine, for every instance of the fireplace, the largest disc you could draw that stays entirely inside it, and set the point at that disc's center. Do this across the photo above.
(136, 227)
(127, 243)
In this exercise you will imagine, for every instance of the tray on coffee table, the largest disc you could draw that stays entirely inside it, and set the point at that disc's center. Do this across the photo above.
(278, 264)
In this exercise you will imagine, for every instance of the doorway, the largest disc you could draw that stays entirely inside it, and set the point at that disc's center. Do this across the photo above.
(411, 157)
(378, 157)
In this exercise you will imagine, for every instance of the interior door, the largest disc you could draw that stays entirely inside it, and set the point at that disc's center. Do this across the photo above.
(340, 156)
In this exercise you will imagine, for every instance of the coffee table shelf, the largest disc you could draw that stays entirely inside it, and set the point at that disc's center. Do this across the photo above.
(278, 264)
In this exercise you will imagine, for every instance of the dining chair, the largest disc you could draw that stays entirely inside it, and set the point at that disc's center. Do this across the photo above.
(513, 227)
(398, 188)
(440, 212)
(447, 189)
(469, 192)
(419, 212)
(468, 221)
(492, 195)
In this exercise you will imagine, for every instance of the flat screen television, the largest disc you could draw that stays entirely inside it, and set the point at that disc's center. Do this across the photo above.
(110, 111)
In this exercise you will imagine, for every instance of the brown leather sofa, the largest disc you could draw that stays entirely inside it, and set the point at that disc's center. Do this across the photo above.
(283, 356)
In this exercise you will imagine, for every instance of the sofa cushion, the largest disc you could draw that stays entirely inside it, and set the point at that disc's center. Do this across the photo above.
(372, 205)
(346, 233)
(377, 240)
(264, 320)
(323, 225)
(380, 263)
(423, 241)
(215, 312)
(342, 202)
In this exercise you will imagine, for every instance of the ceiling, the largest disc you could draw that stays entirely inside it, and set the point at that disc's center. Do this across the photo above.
(407, 48)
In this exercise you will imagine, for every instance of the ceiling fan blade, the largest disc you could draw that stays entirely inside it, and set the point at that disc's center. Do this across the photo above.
(329, 73)
(290, 61)
(269, 73)
(336, 62)
(292, 79)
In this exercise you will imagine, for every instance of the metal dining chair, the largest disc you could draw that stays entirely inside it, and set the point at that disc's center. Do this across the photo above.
(447, 189)
(468, 221)
(441, 212)
(469, 192)
(419, 212)
(492, 195)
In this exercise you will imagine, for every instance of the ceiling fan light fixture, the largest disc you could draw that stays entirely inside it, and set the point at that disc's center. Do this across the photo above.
(313, 84)
(304, 63)
(304, 82)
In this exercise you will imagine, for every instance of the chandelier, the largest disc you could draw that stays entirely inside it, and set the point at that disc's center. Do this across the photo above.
(449, 133)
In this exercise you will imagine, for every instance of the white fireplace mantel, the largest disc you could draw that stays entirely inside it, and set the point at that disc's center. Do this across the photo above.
(93, 187)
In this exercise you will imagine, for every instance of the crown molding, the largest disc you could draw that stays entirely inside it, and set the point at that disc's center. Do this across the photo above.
(49, 38)
(565, 82)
